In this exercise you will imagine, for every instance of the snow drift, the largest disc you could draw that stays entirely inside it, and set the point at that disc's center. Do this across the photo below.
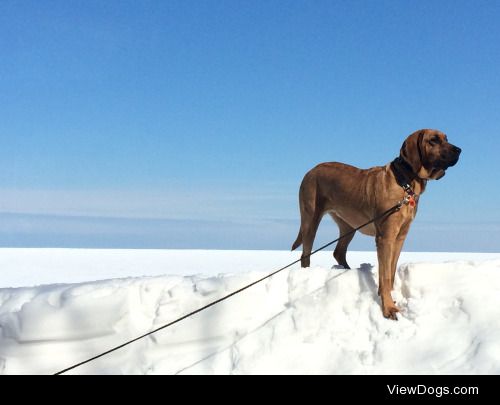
(318, 320)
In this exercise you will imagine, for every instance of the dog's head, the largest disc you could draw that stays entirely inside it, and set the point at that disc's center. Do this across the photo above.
(429, 153)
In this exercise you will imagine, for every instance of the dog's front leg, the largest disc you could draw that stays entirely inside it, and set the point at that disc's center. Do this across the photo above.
(398, 245)
(385, 253)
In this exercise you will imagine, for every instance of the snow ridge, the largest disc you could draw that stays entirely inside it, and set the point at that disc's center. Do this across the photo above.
(316, 321)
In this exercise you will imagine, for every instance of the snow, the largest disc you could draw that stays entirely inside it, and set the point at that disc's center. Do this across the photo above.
(321, 320)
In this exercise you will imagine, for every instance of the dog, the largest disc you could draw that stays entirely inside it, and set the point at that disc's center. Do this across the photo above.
(353, 196)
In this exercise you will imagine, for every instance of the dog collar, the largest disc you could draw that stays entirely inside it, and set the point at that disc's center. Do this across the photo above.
(403, 172)
(404, 181)
(410, 198)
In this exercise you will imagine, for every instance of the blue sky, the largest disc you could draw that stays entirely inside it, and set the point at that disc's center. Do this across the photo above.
(185, 124)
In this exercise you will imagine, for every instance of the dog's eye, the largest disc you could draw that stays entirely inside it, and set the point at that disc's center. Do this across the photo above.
(434, 141)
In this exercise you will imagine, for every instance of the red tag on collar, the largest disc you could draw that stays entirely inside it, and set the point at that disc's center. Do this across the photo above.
(411, 201)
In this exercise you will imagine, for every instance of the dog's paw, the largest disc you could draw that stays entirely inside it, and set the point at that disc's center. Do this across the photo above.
(390, 312)
(366, 267)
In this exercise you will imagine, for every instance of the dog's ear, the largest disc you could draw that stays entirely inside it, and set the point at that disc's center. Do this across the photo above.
(411, 151)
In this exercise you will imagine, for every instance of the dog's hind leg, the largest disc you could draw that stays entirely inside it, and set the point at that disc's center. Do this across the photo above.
(341, 249)
(310, 217)
(308, 229)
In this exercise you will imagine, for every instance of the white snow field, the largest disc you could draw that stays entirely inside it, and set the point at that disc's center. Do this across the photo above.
(321, 320)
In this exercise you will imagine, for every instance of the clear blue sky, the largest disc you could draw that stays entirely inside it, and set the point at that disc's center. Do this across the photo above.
(191, 123)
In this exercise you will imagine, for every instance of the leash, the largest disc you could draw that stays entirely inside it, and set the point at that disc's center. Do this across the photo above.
(405, 201)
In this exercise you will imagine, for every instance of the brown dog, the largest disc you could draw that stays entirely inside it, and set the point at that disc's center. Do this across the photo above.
(353, 196)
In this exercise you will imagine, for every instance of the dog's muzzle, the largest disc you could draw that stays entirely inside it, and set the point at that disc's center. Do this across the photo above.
(451, 157)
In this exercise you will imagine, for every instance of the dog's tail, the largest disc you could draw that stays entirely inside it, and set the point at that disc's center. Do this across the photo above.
(298, 241)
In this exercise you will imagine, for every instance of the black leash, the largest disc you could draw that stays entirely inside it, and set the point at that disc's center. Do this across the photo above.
(388, 212)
